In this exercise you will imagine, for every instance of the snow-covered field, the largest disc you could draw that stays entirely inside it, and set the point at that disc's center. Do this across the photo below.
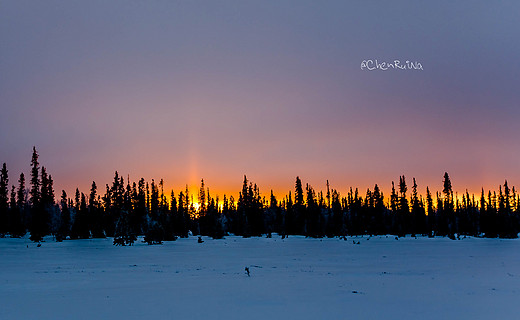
(295, 278)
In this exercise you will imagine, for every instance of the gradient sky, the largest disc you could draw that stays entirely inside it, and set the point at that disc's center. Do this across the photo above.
(182, 90)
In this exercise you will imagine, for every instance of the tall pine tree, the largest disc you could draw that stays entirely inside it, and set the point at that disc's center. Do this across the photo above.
(4, 200)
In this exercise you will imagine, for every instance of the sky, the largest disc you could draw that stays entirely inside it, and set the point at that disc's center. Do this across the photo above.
(184, 90)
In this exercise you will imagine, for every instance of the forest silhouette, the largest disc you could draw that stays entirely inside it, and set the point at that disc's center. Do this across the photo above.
(126, 210)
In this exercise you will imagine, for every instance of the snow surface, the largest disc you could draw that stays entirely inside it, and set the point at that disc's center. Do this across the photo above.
(295, 278)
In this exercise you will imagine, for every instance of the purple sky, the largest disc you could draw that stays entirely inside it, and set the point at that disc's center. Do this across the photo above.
(271, 89)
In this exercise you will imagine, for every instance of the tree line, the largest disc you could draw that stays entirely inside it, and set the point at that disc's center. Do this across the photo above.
(126, 210)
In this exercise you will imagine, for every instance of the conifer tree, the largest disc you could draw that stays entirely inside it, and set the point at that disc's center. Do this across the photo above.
(141, 207)
(447, 223)
(430, 212)
(182, 216)
(289, 216)
(174, 216)
(393, 200)
(37, 227)
(328, 195)
(202, 198)
(117, 193)
(123, 233)
(35, 180)
(16, 222)
(273, 216)
(83, 211)
(95, 213)
(65, 220)
(155, 231)
(243, 207)
(21, 204)
(338, 219)
(312, 223)
(298, 209)
(418, 216)
(507, 199)
(379, 211)
(80, 227)
(403, 209)
(47, 208)
(4, 200)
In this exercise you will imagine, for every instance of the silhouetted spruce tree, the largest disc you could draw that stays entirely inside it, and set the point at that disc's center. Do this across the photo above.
(107, 208)
(95, 213)
(4, 201)
(289, 216)
(113, 213)
(447, 214)
(192, 212)
(123, 233)
(512, 197)
(16, 226)
(12, 209)
(52, 208)
(515, 207)
(76, 218)
(139, 218)
(37, 222)
(394, 206)
(323, 214)
(484, 222)
(226, 213)
(338, 217)
(164, 215)
(328, 195)
(492, 227)
(84, 232)
(65, 220)
(243, 206)
(297, 214)
(155, 231)
(507, 199)
(355, 213)
(403, 210)
(430, 213)
(249, 217)
(128, 207)
(232, 208)
(330, 230)
(202, 198)
(367, 212)
(214, 216)
(273, 216)
(506, 223)
(350, 218)
(462, 214)
(19, 227)
(50, 214)
(312, 221)
(182, 221)
(380, 211)
(204, 224)
(255, 218)
(468, 216)
(79, 228)
(147, 197)
(475, 217)
(173, 215)
(418, 215)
